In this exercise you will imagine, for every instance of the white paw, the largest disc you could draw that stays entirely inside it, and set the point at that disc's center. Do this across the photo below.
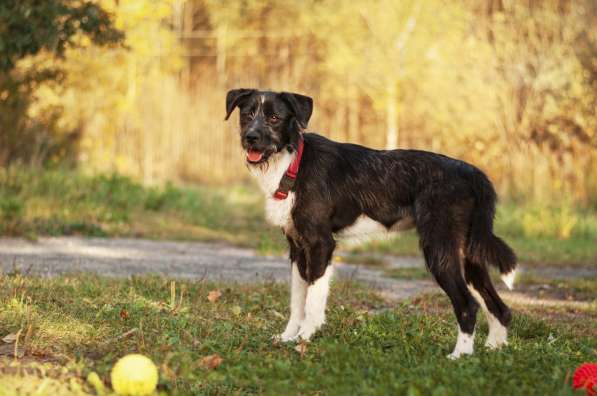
(306, 332)
(290, 333)
(464, 345)
(495, 344)
(497, 337)
(458, 354)
(286, 337)
(309, 327)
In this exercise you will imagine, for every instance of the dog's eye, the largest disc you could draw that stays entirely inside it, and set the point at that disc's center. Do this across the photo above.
(247, 116)
(274, 118)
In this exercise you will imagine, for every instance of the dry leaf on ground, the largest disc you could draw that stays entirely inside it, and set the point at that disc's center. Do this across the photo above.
(214, 295)
(212, 361)
(301, 348)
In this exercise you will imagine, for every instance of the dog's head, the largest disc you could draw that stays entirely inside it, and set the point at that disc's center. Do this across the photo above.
(269, 121)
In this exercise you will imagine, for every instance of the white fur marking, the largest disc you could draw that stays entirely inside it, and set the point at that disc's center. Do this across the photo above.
(509, 279)
(277, 211)
(298, 293)
(498, 333)
(464, 345)
(317, 295)
(365, 226)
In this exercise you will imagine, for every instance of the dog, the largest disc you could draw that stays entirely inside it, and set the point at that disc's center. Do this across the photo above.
(318, 190)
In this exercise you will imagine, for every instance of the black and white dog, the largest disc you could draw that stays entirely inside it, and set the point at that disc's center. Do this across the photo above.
(318, 190)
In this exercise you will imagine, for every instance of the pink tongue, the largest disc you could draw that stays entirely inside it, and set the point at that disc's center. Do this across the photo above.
(254, 155)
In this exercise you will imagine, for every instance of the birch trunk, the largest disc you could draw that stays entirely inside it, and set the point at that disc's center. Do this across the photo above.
(392, 118)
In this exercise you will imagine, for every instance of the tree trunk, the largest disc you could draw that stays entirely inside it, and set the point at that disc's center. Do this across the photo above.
(392, 118)
(353, 114)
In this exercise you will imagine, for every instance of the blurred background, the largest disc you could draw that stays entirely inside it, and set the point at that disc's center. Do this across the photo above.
(136, 89)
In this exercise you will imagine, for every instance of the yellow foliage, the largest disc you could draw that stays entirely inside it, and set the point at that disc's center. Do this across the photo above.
(509, 88)
(549, 222)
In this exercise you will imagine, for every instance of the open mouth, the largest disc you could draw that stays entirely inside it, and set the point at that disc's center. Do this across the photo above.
(254, 156)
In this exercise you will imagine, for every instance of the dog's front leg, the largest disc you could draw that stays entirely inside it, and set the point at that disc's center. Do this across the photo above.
(317, 295)
(319, 272)
(298, 293)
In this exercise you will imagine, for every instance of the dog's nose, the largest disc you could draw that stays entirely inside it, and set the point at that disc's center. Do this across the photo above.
(252, 137)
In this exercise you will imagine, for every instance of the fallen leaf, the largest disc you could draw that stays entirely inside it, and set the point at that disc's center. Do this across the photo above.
(124, 314)
(212, 361)
(168, 372)
(236, 310)
(10, 338)
(278, 314)
(301, 348)
(214, 295)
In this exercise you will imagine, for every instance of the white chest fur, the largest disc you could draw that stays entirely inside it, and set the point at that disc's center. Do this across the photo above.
(277, 211)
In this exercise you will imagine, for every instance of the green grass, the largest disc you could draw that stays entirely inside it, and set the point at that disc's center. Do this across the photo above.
(568, 288)
(59, 202)
(53, 202)
(77, 323)
(408, 273)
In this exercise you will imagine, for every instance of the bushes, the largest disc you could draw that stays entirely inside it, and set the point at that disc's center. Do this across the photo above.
(547, 221)
(29, 28)
(65, 202)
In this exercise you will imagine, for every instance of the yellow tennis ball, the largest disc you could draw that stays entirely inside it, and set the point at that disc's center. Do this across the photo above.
(134, 375)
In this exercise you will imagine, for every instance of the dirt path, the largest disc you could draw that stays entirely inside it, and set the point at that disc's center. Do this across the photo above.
(182, 260)
(194, 260)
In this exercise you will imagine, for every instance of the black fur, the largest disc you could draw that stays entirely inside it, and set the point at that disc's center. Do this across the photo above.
(451, 203)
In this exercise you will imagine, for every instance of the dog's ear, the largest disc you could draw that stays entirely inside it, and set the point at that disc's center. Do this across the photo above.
(301, 106)
(234, 98)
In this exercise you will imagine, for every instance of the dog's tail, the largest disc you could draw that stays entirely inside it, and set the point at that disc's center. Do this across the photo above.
(483, 246)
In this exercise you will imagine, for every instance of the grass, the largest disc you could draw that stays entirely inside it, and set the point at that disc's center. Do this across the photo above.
(408, 273)
(73, 325)
(54, 202)
(58, 202)
(578, 289)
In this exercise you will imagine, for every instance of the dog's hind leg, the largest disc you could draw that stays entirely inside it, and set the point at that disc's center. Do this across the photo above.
(442, 236)
(449, 277)
(497, 313)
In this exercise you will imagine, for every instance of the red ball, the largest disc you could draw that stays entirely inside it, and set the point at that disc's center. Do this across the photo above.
(585, 377)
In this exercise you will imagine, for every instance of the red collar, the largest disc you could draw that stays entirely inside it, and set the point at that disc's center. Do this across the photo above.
(289, 177)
